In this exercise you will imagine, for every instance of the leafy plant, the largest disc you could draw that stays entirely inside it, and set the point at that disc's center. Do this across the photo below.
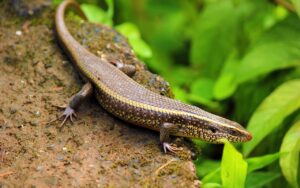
(290, 148)
(286, 98)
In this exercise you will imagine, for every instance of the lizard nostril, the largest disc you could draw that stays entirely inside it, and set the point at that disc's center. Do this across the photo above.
(249, 136)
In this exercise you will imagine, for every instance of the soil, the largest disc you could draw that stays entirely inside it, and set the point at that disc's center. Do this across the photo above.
(97, 150)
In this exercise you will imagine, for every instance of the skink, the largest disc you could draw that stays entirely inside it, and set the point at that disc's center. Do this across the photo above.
(121, 96)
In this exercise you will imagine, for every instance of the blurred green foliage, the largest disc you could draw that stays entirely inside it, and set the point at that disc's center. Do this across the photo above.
(134, 37)
(95, 14)
(237, 58)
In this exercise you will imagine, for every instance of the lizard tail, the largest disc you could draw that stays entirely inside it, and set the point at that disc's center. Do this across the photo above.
(71, 4)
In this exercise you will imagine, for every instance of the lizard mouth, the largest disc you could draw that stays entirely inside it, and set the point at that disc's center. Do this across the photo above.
(246, 136)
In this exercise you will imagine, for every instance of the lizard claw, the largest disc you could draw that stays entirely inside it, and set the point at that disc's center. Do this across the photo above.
(167, 147)
(68, 113)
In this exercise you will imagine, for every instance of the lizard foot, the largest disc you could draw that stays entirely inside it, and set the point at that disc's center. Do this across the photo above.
(68, 113)
(167, 147)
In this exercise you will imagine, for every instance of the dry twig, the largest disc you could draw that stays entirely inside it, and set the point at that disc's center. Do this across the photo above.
(6, 174)
(163, 166)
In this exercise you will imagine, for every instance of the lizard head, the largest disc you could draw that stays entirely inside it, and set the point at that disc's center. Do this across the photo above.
(229, 130)
(214, 128)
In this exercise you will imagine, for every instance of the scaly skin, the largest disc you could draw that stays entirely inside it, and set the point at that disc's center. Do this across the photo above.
(131, 102)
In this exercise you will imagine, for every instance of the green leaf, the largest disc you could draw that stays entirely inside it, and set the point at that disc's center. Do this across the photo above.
(206, 166)
(268, 57)
(274, 50)
(133, 34)
(180, 75)
(110, 11)
(224, 87)
(180, 94)
(260, 179)
(56, 2)
(297, 6)
(290, 148)
(233, 168)
(140, 47)
(212, 41)
(196, 99)
(201, 92)
(128, 29)
(258, 91)
(212, 185)
(213, 176)
(260, 16)
(255, 163)
(203, 87)
(95, 14)
(167, 31)
(270, 114)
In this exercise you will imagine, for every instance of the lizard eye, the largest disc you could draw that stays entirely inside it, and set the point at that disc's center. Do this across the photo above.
(213, 130)
(234, 132)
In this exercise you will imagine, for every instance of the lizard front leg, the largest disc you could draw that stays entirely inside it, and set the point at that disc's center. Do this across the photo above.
(165, 130)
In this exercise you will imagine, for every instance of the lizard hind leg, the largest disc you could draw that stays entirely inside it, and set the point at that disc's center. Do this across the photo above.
(129, 70)
(76, 100)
